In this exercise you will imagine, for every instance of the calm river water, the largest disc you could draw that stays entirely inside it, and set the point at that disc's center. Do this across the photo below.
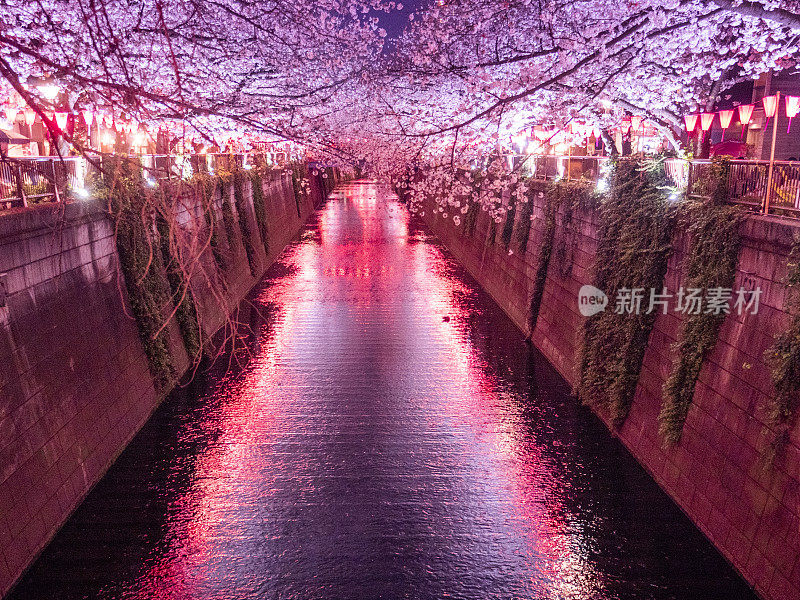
(385, 434)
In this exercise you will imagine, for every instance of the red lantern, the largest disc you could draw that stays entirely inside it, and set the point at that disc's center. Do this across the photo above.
(792, 108)
(770, 107)
(725, 118)
(745, 114)
(691, 122)
(88, 117)
(30, 116)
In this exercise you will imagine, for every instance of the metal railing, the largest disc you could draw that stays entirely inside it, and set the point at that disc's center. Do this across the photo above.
(748, 181)
(27, 181)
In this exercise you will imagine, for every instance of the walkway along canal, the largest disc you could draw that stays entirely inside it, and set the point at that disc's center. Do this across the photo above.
(386, 433)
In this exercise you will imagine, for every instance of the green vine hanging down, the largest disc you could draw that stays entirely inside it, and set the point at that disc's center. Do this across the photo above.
(182, 297)
(299, 183)
(635, 241)
(508, 227)
(140, 260)
(784, 359)
(244, 222)
(260, 208)
(712, 261)
(207, 190)
(525, 222)
(227, 216)
(570, 195)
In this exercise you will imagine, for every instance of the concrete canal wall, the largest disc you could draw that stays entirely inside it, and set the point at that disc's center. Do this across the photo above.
(716, 473)
(75, 384)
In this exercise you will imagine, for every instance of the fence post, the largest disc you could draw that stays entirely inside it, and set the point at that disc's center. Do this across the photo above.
(772, 155)
(20, 187)
(689, 178)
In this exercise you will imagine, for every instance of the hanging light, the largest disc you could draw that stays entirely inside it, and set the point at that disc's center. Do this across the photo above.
(792, 108)
(745, 114)
(725, 118)
(11, 114)
(49, 91)
(61, 120)
(691, 122)
(770, 107)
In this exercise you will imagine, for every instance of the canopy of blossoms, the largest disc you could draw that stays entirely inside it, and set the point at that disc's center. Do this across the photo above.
(456, 87)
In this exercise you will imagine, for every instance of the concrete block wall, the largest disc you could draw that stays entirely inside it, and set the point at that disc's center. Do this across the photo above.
(716, 474)
(75, 386)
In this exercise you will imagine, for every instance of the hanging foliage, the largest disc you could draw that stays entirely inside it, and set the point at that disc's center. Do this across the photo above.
(784, 359)
(239, 200)
(564, 196)
(260, 207)
(525, 223)
(508, 227)
(713, 257)
(207, 188)
(181, 292)
(300, 184)
(636, 224)
(141, 263)
(227, 215)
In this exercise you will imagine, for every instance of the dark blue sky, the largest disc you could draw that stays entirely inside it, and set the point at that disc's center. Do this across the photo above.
(395, 22)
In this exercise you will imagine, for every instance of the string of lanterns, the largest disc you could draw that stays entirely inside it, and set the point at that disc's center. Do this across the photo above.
(770, 103)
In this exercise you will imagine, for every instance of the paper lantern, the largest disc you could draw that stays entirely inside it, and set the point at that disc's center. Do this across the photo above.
(636, 122)
(745, 114)
(30, 116)
(770, 108)
(61, 120)
(706, 120)
(792, 108)
(770, 105)
(691, 122)
(11, 114)
(88, 117)
(725, 118)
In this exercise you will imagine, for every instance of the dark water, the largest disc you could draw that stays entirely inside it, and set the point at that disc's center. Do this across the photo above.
(391, 437)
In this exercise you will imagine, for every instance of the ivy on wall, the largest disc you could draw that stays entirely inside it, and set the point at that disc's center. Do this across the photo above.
(227, 216)
(207, 187)
(563, 195)
(260, 208)
(299, 184)
(244, 223)
(525, 223)
(508, 228)
(635, 241)
(141, 263)
(713, 257)
(182, 297)
(784, 360)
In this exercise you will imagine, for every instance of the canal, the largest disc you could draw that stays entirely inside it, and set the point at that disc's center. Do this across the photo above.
(381, 431)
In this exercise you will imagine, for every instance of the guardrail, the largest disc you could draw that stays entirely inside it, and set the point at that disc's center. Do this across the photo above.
(749, 182)
(26, 181)
(762, 186)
